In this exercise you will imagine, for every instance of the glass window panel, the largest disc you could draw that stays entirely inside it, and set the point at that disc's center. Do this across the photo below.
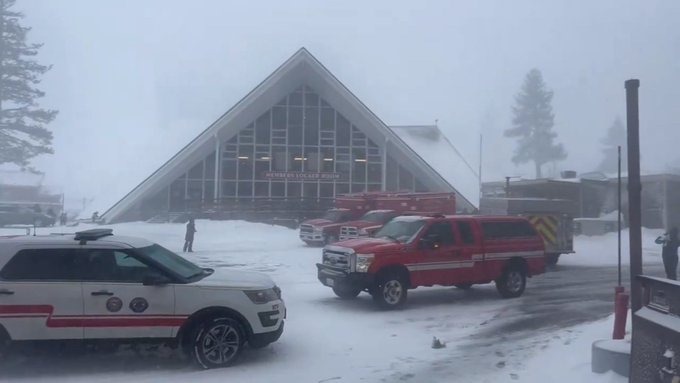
(278, 189)
(245, 189)
(245, 151)
(326, 190)
(229, 169)
(209, 191)
(343, 131)
(420, 187)
(295, 116)
(311, 99)
(327, 120)
(327, 160)
(245, 169)
(295, 159)
(358, 187)
(262, 132)
(341, 188)
(294, 189)
(233, 140)
(295, 135)
(278, 118)
(210, 167)
(342, 168)
(325, 104)
(405, 179)
(374, 187)
(261, 167)
(392, 175)
(375, 173)
(309, 190)
(197, 171)
(313, 158)
(261, 189)
(359, 172)
(279, 157)
(311, 126)
(229, 189)
(282, 102)
(295, 98)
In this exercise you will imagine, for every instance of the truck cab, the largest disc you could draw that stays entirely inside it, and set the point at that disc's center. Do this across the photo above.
(367, 225)
(325, 230)
(413, 251)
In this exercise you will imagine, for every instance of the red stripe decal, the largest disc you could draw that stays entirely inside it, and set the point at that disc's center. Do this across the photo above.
(30, 311)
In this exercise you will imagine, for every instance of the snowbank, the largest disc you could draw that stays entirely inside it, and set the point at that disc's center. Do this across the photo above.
(602, 250)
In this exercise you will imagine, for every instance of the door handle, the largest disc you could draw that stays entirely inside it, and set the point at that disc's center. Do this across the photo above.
(101, 292)
(6, 292)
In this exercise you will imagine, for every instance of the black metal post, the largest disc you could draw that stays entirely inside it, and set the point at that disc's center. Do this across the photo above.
(618, 211)
(634, 192)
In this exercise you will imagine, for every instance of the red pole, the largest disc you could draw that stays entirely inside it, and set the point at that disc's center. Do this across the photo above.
(620, 313)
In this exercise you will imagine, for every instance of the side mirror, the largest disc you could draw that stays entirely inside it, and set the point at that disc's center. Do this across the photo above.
(155, 280)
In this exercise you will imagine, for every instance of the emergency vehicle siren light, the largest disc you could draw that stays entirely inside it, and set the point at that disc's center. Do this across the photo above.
(92, 234)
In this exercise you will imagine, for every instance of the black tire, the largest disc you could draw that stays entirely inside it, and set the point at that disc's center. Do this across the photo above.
(217, 342)
(346, 292)
(464, 286)
(391, 291)
(552, 259)
(512, 283)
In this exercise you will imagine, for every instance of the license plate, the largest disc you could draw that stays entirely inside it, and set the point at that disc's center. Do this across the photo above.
(330, 282)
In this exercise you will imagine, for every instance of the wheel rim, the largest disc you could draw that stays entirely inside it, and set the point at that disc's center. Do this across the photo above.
(220, 344)
(392, 292)
(514, 281)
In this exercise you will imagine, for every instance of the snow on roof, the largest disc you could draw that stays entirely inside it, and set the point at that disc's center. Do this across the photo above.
(434, 148)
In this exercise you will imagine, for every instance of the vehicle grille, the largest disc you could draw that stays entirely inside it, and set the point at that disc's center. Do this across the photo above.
(307, 229)
(347, 232)
(336, 259)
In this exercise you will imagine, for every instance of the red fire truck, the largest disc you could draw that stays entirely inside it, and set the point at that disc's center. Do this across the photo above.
(413, 251)
(355, 212)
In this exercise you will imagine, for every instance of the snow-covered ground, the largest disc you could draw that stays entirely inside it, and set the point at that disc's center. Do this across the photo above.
(331, 340)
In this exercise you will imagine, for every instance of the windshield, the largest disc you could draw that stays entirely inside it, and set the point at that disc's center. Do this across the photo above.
(334, 215)
(400, 230)
(375, 216)
(171, 261)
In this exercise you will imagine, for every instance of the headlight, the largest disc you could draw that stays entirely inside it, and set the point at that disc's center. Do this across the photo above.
(317, 230)
(363, 232)
(363, 262)
(262, 296)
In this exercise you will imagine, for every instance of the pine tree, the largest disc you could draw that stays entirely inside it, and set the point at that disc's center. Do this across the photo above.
(616, 135)
(22, 122)
(532, 124)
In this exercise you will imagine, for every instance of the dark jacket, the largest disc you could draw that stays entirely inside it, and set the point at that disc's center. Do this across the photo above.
(670, 245)
(191, 229)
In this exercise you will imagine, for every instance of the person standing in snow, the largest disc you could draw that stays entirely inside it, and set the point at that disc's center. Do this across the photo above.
(189, 236)
(669, 252)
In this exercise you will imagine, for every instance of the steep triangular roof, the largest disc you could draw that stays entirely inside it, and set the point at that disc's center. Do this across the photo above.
(302, 68)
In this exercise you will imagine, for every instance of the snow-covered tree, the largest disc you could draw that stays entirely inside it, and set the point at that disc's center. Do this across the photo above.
(616, 135)
(533, 123)
(22, 122)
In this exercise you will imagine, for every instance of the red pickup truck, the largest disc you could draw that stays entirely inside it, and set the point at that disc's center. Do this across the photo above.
(413, 251)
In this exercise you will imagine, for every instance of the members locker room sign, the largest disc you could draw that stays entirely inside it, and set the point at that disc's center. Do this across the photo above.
(302, 176)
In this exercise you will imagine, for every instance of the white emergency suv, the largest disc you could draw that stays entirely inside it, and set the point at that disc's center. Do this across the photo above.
(94, 286)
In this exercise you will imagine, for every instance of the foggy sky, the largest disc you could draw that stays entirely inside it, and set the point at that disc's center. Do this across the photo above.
(136, 80)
